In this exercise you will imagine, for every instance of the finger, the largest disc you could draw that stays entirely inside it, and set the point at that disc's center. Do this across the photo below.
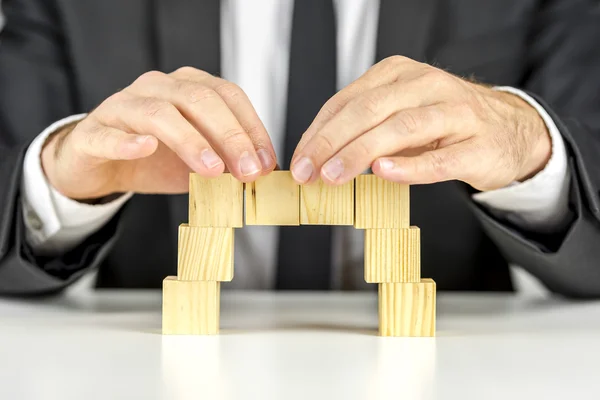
(410, 128)
(434, 166)
(359, 116)
(106, 143)
(209, 114)
(387, 71)
(240, 105)
(161, 119)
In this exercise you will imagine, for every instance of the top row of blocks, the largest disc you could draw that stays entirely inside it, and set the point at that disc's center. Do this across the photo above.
(366, 202)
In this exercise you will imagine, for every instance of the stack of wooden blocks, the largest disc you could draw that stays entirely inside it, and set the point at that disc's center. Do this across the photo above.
(216, 207)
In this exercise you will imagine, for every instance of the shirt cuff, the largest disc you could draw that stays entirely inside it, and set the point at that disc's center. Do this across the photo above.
(55, 223)
(540, 203)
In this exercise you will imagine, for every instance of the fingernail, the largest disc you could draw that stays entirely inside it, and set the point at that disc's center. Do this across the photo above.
(386, 164)
(265, 158)
(333, 169)
(141, 139)
(210, 159)
(302, 170)
(248, 164)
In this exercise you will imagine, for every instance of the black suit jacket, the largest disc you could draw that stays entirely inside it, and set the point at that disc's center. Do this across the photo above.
(62, 57)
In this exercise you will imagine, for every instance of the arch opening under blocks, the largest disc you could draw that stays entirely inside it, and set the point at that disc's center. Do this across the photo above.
(381, 208)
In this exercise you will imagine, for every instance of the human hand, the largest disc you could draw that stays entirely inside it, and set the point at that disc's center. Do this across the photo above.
(414, 123)
(149, 136)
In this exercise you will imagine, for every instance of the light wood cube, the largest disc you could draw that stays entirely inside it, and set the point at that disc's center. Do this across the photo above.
(393, 255)
(381, 204)
(407, 309)
(322, 204)
(190, 307)
(216, 202)
(273, 199)
(205, 254)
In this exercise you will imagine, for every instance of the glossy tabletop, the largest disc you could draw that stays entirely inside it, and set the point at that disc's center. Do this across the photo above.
(107, 345)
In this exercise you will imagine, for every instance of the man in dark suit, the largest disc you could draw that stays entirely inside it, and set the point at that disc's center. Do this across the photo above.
(510, 165)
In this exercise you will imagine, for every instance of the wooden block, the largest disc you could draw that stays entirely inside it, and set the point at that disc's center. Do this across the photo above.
(273, 199)
(381, 204)
(205, 254)
(190, 307)
(322, 204)
(393, 255)
(216, 201)
(407, 309)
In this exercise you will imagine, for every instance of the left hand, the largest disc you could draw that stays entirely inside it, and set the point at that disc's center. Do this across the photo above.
(413, 123)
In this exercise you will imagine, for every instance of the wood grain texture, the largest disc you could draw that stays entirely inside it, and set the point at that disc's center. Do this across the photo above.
(407, 309)
(381, 204)
(190, 307)
(205, 254)
(216, 202)
(322, 204)
(273, 199)
(393, 255)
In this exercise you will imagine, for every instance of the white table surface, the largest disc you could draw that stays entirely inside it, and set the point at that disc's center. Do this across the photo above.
(107, 345)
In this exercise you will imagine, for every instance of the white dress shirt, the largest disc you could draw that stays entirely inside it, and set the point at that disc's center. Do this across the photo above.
(255, 55)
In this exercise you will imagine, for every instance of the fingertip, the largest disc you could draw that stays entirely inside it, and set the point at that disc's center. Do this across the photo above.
(267, 161)
(149, 143)
(390, 169)
(138, 146)
(382, 165)
(303, 171)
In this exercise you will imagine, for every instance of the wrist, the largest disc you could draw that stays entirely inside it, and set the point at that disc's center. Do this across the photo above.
(540, 149)
(533, 137)
(51, 152)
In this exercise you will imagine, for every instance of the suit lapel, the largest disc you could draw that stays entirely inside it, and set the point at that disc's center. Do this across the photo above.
(188, 34)
(404, 28)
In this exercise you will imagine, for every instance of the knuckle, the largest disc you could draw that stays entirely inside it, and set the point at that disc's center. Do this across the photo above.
(191, 143)
(324, 144)
(255, 131)
(186, 70)
(368, 105)
(395, 60)
(149, 77)
(440, 165)
(389, 65)
(233, 136)
(229, 91)
(331, 108)
(431, 76)
(194, 92)
(116, 98)
(96, 136)
(152, 107)
(407, 122)
(364, 149)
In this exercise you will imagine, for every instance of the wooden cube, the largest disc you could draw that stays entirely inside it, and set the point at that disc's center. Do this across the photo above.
(322, 204)
(205, 254)
(273, 199)
(381, 204)
(407, 309)
(216, 202)
(190, 307)
(393, 255)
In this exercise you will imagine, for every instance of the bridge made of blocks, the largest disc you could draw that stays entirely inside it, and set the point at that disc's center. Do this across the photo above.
(191, 300)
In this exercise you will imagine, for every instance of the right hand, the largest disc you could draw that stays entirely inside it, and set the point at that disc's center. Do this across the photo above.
(148, 137)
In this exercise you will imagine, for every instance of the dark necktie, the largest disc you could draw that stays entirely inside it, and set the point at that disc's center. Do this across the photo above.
(304, 260)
